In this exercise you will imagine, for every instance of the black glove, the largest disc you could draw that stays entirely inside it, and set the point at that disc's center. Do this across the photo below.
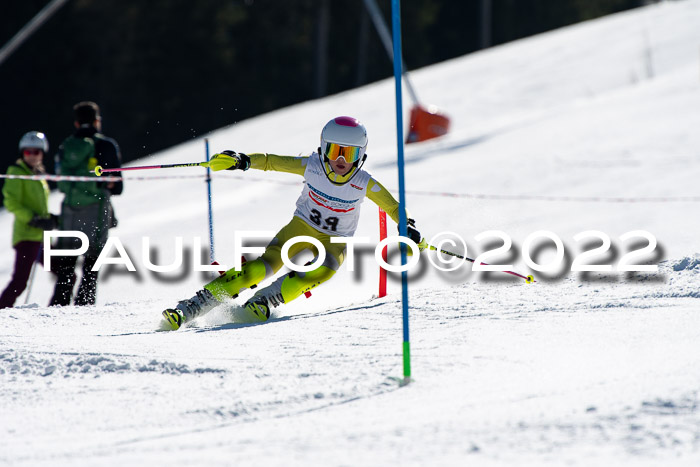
(229, 160)
(411, 231)
(44, 223)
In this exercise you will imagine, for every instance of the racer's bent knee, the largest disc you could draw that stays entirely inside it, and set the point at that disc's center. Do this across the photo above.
(297, 283)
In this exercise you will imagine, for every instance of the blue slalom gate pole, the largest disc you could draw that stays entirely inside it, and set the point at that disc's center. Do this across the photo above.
(211, 215)
(396, 32)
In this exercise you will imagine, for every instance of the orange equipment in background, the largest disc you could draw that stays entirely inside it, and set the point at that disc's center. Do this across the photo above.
(426, 124)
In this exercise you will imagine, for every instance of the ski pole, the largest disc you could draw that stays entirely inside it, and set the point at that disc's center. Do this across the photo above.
(99, 170)
(423, 245)
(31, 275)
(31, 282)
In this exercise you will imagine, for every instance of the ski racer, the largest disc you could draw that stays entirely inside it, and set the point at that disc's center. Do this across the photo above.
(329, 206)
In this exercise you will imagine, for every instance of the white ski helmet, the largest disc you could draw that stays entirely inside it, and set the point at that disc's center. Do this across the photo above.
(344, 137)
(34, 140)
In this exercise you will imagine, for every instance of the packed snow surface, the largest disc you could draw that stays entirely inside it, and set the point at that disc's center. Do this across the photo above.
(588, 128)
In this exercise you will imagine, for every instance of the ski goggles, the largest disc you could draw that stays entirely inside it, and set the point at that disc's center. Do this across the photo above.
(335, 151)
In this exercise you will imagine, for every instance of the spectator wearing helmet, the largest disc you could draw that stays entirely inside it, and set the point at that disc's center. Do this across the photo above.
(86, 206)
(28, 201)
(328, 207)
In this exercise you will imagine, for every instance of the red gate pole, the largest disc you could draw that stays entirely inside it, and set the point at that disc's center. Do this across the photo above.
(382, 236)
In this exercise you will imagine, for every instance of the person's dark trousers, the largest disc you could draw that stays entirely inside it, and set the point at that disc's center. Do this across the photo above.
(64, 268)
(87, 292)
(26, 253)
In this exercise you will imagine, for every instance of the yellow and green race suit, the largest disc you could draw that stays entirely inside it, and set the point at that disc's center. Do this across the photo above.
(326, 209)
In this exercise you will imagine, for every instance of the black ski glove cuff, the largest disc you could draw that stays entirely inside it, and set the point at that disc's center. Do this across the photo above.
(44, 223)
(412, 232)
(243, 161)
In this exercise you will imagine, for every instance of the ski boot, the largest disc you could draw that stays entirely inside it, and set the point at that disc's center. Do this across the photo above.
(261, 303)
(187, 310)
(174, 318)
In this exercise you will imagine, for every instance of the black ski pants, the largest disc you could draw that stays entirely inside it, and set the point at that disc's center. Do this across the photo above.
(64, 268)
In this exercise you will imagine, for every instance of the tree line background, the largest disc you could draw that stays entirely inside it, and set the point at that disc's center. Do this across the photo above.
(165, 71)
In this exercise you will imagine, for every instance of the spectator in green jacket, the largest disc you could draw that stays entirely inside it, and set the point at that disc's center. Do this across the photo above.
(86, 206)
(28, 201)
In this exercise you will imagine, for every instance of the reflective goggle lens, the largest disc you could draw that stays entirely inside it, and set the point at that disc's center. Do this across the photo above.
(31, 152)
(336, 151)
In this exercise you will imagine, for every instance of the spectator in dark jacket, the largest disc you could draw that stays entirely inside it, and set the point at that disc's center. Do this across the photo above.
(86, 206)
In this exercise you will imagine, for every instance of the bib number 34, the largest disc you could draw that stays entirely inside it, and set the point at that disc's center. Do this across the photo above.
(329, 223)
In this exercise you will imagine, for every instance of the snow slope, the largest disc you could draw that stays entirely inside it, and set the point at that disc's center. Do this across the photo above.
(574, 130)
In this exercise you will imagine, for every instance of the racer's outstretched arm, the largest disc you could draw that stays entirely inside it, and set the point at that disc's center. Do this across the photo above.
(289, 164)
(230, 160)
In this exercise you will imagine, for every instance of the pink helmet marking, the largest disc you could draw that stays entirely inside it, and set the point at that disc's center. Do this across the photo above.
(346, 121)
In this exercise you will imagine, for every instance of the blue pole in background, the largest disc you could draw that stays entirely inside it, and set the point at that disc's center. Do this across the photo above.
(396, 32)
(211, 215)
